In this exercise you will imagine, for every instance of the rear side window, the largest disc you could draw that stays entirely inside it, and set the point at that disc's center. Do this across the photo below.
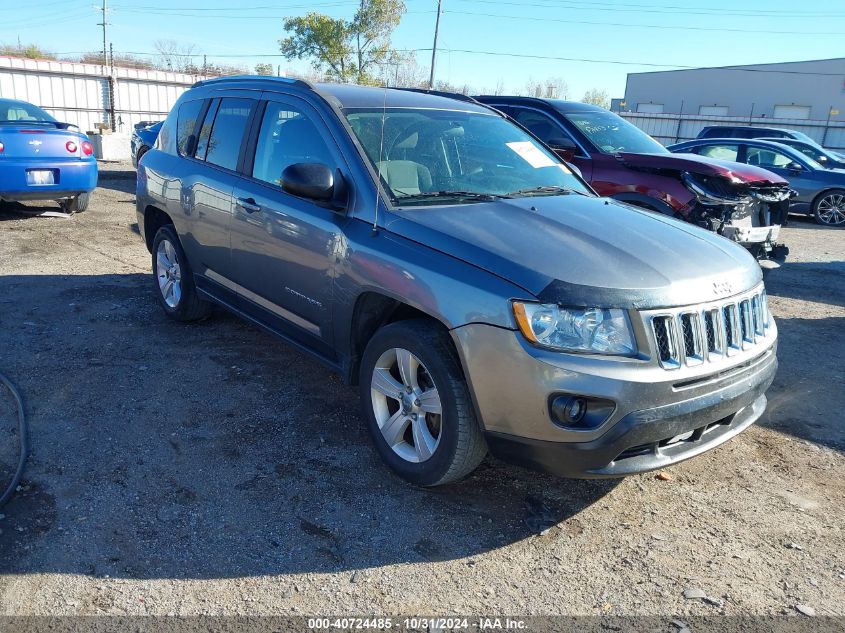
(287, 137)
(227, 133)
(186, 124)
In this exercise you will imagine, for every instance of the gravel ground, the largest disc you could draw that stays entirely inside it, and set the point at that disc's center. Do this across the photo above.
(211, 469)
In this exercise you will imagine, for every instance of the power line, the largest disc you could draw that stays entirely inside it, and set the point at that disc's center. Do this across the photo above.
(629, 63)
(656, 8)
(275, 7)
(640, 26)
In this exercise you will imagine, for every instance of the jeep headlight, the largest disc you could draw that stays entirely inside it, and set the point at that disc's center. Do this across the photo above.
(570, 329)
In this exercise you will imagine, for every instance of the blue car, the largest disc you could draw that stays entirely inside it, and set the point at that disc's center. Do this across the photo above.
(43, 159)
(143, 138)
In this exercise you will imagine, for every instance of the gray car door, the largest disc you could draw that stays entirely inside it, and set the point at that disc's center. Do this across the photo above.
(284, 248)
(207, 187)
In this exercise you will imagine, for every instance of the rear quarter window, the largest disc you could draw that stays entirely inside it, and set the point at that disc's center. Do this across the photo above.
(186, 124)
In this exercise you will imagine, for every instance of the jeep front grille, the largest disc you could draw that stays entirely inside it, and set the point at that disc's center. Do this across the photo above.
(692, 336)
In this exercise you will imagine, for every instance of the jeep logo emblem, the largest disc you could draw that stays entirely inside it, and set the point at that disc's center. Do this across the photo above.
(722, 288)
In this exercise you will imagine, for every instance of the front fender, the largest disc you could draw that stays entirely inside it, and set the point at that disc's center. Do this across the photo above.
(443, 287)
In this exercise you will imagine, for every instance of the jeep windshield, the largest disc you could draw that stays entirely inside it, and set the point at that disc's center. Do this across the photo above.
(612, 134)
(435, 157)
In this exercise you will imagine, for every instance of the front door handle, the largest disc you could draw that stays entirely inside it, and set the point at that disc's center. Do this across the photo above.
(248, 205)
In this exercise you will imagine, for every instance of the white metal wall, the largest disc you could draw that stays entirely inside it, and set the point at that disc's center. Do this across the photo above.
(674, 128)
(80, 93)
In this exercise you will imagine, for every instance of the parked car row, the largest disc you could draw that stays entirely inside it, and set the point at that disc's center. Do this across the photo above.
(418, 244)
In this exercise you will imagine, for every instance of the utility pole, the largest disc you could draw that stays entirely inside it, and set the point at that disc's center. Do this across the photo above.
(104, 24)
(434, 48)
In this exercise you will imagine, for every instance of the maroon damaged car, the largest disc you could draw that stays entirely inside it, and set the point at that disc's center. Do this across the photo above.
(741, 202)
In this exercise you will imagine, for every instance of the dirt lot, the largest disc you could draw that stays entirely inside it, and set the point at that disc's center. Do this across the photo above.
(210, 469)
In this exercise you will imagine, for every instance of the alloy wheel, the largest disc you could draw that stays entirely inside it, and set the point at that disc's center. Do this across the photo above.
(831, 209)
(407, 405)
(169, 273)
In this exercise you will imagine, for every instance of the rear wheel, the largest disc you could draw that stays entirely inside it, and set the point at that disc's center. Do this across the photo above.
(77, 204)
(173, 280)
(829, 208)
(417, 404)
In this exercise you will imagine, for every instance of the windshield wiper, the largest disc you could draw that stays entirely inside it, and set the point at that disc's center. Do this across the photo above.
(471, 195)
(548, 190)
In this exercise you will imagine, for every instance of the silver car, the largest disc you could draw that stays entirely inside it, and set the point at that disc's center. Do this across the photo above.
(473, 286)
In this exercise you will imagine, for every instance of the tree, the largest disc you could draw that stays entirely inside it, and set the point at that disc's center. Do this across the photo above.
(556, 88)
(597, 97)
(30, 51)
(176, 56)
(402, 71)
(264, 69)
(345, 50)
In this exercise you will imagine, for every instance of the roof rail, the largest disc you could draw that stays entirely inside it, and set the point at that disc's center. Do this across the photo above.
(442, 93)
(286, 80)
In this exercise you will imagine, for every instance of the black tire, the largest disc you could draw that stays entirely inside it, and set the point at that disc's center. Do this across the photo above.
(817, 212)
(461, 446)
(188, 307)
(77, 204)
(141, 151)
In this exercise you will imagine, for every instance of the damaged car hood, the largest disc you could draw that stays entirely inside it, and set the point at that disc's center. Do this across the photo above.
(581, 250)
(736, 172)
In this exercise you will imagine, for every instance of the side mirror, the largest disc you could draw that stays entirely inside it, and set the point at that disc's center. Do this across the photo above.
(822, 159)
(314, 181)
(562, 143)
(568, 155)
(794, 167)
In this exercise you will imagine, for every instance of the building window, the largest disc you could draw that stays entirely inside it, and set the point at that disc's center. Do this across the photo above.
(792, 112)
(650, 108)
(714, 110)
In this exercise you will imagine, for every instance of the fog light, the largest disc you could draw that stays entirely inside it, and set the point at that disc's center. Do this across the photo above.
(580, 412)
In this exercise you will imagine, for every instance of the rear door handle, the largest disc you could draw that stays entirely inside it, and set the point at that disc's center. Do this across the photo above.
(248, 205)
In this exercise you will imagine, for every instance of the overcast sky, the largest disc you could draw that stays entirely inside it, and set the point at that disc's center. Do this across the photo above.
(617, 37)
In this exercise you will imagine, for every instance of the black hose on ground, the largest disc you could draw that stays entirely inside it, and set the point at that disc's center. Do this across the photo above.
(22, 438)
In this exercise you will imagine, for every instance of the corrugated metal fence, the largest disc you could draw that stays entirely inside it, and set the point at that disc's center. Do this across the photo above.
(674, 128)
(86, 94)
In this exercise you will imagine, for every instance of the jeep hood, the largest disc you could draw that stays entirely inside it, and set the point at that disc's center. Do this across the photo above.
(737, 172)
(580, 250)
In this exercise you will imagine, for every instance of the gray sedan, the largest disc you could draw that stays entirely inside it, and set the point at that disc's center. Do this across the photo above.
(821, 192)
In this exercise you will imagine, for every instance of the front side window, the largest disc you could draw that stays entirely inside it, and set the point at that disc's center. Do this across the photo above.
(287, 137)
(227, 133)
(186, 123)
(722, 152)
(422, 154)
(770, 158)
(612, 134)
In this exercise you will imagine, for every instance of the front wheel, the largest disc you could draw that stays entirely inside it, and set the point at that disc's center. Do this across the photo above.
(829, 208)
(418, 406)
(173, 280)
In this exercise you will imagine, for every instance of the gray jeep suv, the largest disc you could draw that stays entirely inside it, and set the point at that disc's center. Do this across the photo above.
(445, 260)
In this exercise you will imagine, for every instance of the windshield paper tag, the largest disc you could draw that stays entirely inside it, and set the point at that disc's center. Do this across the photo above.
(531, 154)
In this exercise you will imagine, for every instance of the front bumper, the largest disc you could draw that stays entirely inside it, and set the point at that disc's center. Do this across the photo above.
(661, 417)
(752, 235)
(72, 177)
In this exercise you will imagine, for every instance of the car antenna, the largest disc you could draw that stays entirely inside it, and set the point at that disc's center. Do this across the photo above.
(378, 164)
